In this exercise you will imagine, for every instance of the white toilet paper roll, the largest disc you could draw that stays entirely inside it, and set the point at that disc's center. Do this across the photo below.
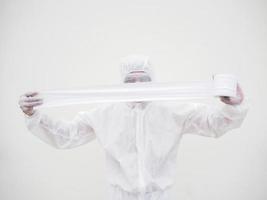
(224, 85)
(221, 85)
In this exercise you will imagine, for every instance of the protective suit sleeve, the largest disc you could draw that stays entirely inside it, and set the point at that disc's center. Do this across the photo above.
(61, 134)
(214, 121)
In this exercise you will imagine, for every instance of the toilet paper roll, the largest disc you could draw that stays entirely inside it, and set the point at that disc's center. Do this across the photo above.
(225, 85)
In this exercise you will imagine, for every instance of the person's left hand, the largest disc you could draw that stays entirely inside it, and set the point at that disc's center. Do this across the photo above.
(234, 100)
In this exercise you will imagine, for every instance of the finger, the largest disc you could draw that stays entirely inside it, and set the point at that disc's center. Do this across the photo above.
(27, 94)
(28, 99)
(33, 99)
(31, 104)
(38, 103)
(35, 103)
(22, 100)
(239, 91)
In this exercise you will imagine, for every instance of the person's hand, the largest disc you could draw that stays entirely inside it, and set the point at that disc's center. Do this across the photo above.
(234, 100)
(27, 102)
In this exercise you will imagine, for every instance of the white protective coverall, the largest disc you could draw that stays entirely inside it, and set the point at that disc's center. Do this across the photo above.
(140, 140)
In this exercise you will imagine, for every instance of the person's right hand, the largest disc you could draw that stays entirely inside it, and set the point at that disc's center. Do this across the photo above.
(27, 102)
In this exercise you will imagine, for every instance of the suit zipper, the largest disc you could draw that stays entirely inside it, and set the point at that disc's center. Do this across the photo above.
(140, 150)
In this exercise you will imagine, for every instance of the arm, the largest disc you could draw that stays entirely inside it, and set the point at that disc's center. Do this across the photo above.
(212, 121)
(61, 134)
(215, 121)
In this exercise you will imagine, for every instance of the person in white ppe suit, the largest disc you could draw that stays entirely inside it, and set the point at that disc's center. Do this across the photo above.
(140, 139)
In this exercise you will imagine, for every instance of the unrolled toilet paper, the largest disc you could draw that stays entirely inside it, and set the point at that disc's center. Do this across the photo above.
(220, 85)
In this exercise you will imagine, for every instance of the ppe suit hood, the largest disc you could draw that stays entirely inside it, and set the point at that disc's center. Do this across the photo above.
(135, 62)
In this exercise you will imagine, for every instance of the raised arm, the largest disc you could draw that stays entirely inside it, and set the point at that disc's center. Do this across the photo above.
(61, 134)
(215, 121)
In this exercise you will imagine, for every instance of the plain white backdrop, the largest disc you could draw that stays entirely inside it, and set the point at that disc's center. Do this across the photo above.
(73, 44)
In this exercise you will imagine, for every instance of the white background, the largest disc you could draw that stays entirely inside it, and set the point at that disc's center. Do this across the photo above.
(72, 44)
